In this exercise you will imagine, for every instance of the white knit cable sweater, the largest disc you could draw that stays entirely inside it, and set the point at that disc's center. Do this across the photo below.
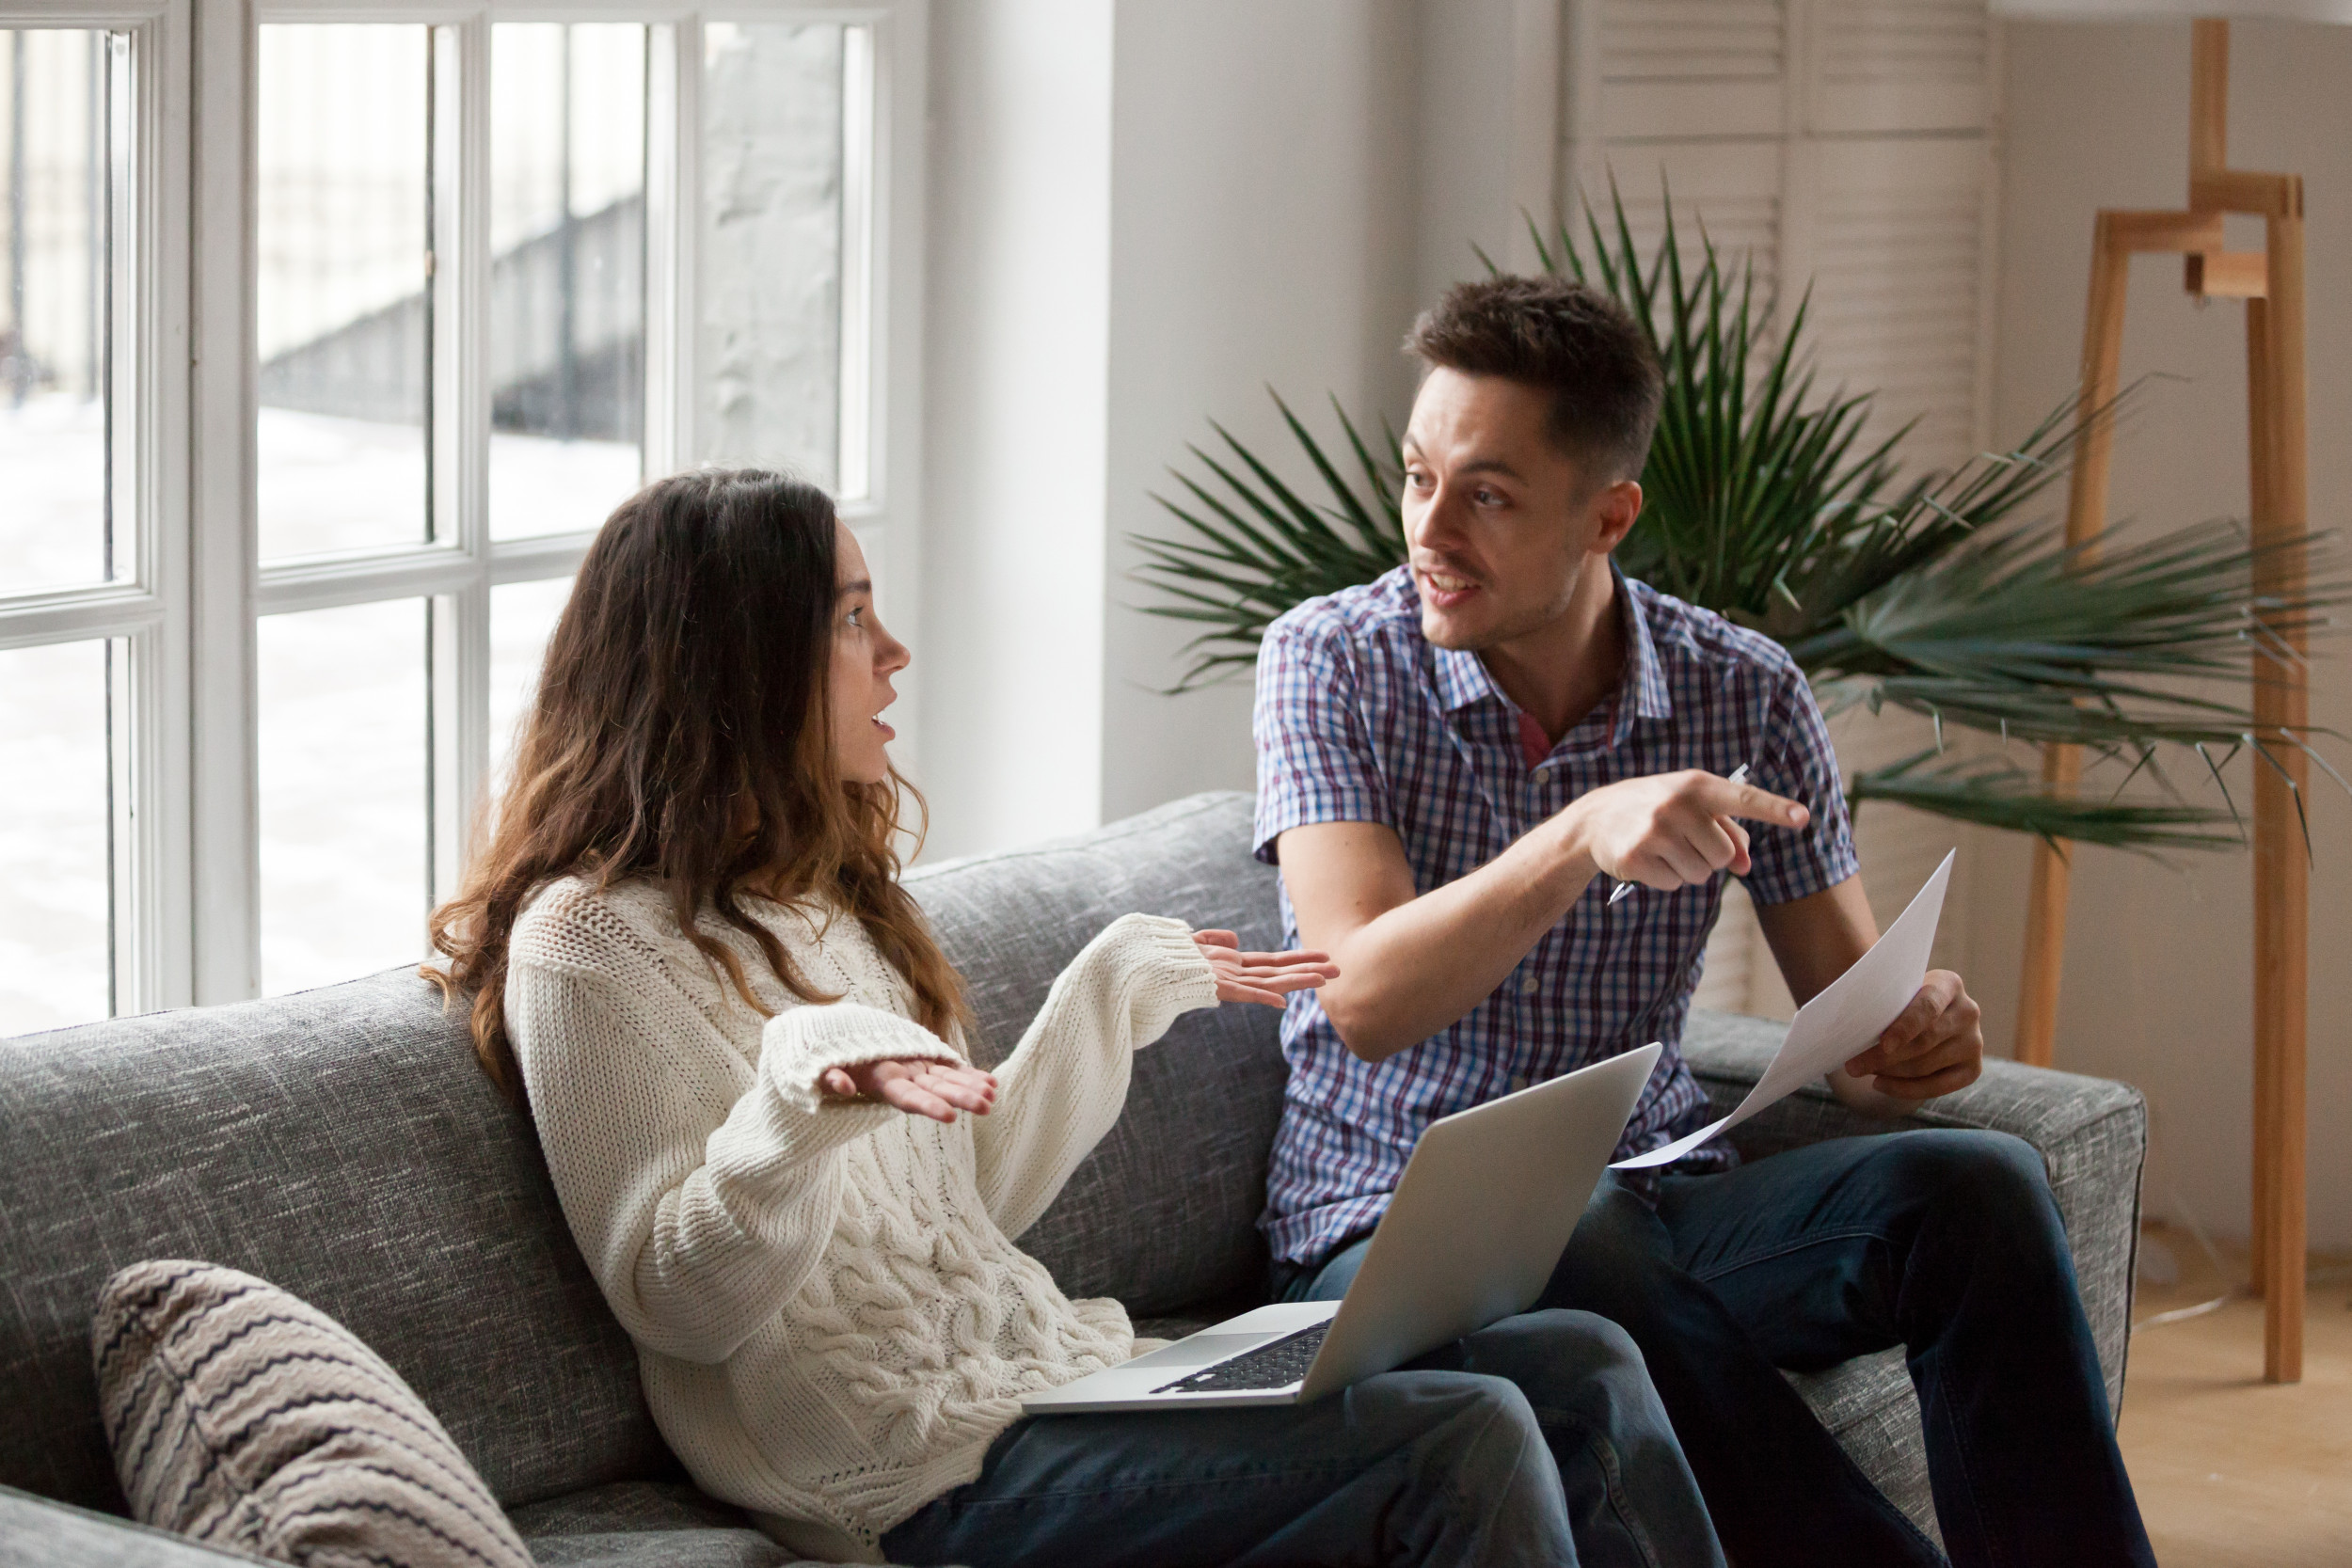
(832, 1317)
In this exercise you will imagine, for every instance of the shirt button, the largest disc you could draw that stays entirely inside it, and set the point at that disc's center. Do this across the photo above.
(1527, 984)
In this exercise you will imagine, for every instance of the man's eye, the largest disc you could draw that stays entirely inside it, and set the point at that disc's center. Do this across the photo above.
(1488, 497)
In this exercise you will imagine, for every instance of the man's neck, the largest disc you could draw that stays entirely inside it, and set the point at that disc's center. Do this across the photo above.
(1562, 670)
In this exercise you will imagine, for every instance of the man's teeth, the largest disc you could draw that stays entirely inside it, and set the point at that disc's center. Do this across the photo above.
(1445, 584)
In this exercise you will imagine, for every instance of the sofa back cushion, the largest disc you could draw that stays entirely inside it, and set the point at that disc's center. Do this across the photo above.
(342, 1143)
(1162, 1214)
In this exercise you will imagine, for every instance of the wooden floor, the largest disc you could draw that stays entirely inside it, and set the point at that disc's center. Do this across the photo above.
(2230, 1471)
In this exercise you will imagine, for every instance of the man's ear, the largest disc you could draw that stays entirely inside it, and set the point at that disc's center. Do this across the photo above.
(1615, 509)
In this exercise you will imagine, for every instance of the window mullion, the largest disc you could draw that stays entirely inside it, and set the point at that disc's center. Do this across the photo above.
(224, 928)
(673, 107)
(155, 890)
(459, 788)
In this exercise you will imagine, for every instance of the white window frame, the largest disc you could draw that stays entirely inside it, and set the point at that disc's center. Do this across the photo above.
(147, 607)
(190, 609)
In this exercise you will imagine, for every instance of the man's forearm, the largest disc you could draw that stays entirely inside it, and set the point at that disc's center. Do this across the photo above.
(1420, 967)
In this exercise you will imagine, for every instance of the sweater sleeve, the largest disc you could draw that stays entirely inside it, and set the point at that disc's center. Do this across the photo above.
(1064, 1085)
(701, 1204)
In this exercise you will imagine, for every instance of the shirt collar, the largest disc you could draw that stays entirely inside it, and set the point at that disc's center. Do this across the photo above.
(1462, 679)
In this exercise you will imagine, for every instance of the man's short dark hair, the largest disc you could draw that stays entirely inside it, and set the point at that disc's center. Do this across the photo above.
(1566, 338)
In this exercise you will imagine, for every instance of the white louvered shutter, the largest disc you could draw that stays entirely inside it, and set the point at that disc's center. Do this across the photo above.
(1846, 145)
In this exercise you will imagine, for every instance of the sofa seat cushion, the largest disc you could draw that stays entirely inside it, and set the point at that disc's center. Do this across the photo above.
(1869, 1407)
(244, 1418)
(640, 1524)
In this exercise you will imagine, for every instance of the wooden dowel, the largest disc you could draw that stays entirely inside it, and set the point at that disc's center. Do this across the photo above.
(2281, 864)
(2260, 461)
(2086, 514)
(2208, 96)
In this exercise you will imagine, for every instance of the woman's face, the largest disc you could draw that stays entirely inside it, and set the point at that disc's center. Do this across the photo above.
(865, 656)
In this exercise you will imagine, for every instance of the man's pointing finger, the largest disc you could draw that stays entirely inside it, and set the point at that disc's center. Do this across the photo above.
(1727, 798)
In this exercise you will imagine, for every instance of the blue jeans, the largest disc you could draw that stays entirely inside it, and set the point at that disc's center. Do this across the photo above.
(1945, 1242)
(1536, 1441)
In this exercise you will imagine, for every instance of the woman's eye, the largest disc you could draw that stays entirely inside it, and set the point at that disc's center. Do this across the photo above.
(857, 618)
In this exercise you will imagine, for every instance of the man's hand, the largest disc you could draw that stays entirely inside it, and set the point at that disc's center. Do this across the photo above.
(918, 1088)
(1934, 1046)
(1261, 978)
(1669, 831)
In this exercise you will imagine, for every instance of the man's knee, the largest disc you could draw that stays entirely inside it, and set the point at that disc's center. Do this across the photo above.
(1988, 1173)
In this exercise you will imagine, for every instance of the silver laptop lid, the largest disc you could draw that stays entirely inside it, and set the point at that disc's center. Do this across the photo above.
(1480, 1218)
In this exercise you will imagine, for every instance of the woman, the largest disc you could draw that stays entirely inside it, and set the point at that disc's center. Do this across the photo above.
(686, 947)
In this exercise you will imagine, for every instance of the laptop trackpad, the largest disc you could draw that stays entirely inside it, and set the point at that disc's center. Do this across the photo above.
(1200, 1350)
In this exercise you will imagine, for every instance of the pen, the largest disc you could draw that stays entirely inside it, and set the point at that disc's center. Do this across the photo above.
(1738, 775)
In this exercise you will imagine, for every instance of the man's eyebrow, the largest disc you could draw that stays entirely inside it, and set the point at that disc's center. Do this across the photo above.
(1490, 466)
(863, 585)
(1476, 465)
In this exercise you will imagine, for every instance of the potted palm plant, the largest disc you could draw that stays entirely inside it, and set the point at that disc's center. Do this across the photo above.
(1934, 593)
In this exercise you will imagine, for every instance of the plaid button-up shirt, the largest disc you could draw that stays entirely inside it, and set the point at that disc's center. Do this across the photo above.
(1360, 719)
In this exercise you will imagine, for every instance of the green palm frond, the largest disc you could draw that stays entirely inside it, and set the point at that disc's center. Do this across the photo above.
(1767, 501)
(1995, 793)
(1256, 549)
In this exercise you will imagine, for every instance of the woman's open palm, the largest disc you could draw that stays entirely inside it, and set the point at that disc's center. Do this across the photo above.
(919, 1087)
(938, 1089)
(1268, 978)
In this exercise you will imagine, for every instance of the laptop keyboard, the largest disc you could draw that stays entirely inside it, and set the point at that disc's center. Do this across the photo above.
(1275, 1365)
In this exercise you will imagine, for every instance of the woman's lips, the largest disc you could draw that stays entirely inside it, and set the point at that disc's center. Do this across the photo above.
(888, 734)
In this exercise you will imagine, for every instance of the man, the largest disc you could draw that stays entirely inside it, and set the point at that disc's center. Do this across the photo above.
(1458, 765)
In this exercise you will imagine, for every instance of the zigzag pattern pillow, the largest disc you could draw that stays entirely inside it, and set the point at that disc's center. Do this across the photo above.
(248, 1419)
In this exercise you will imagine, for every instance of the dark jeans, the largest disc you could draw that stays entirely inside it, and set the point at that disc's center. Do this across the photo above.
(1945, 1242)
(1536, 1441)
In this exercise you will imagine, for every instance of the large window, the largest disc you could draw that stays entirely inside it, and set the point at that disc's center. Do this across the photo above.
(268, 626)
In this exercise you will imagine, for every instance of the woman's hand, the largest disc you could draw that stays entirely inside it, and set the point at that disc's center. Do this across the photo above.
(1262, 977)
(920, 1088)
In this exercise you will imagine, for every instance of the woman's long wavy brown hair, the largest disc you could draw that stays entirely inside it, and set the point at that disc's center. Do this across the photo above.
(681, 736)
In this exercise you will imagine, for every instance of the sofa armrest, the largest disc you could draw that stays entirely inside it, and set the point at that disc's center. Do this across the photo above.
(36, 1533)
(2093, 1134)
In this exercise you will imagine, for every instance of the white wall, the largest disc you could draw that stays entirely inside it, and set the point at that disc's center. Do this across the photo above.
(1018, 277)
(2159, 963)
(1263, 175)
(1145, 214)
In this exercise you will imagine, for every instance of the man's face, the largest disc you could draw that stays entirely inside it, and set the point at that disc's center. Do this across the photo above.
(1501, 523)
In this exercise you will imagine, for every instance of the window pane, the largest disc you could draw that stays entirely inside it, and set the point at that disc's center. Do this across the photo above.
(769, 352)
(54, 819)
(344, 796)
(344, 311)
(567, 274)
(63, 173)
(522, 618)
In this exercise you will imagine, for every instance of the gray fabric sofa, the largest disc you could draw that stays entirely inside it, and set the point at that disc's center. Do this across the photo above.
(341, 1142)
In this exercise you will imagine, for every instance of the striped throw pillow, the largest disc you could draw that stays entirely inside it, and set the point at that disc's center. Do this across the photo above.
(247, 1419)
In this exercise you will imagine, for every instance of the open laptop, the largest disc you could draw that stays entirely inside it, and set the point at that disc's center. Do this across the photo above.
(1472, 1235)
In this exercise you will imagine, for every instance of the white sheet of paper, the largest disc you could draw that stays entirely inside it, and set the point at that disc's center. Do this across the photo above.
(1839, 1024)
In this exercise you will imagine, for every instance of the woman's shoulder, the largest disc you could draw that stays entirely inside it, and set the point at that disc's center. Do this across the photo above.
(582, 921)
